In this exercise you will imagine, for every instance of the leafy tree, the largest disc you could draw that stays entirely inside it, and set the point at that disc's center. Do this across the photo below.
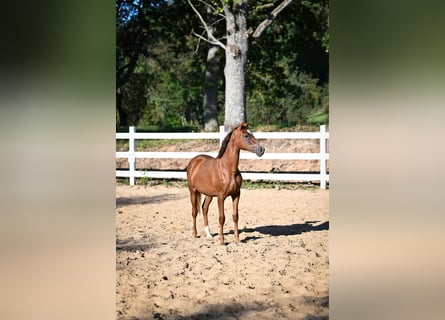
(289, 67)
(168, 75)
(175, 92)
(157, 71)
(236, 49)
(132, 28)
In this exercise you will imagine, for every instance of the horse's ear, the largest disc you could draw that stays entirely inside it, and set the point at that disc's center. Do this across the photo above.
(244, 125)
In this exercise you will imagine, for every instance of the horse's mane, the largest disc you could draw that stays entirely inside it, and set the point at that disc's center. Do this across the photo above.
(224, 145)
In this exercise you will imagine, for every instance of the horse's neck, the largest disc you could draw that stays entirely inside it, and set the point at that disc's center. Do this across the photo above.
(230, 158)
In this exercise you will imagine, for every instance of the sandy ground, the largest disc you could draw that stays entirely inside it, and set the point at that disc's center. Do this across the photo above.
(280, 270)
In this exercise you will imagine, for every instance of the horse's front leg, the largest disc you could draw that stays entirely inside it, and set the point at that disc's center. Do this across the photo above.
(235, 201)
(205, 211)
(221, 219)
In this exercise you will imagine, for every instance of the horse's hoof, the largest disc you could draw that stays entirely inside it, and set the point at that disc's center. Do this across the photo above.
(207, 231)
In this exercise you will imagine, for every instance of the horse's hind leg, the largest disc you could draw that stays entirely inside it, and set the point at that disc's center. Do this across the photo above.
(235, 200)
(221, 219)
(195, 199)
(205, 210)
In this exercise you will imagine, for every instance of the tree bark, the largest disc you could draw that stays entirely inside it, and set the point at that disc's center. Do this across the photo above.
(211, 80)
(236, 63)
(211, 90)
(122, 121)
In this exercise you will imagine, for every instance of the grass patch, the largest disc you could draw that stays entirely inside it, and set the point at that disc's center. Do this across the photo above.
(147, 144)
(278, 185)
(284, 128)
(120, 181)
(151, 182)
(156, 128)
(247, 184)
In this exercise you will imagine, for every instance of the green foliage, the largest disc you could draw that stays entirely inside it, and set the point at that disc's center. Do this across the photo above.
(135, 91)
(290, 98)
(289, 67)
(320, 13)
(165, 88)
(287, 70)
(177, 92)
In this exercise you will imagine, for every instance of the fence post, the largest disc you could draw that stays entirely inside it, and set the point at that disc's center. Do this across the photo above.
(131, 154)
(323, 156)
(222, 135)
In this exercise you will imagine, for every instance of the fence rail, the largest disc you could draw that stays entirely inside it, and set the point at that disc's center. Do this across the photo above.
(132, 155)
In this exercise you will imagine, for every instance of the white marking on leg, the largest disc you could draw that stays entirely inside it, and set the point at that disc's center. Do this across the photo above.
(207, 230)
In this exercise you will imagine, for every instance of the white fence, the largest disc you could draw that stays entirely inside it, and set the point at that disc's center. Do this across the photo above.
(131, 155)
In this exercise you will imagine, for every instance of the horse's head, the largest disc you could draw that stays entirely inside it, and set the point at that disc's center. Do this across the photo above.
(246, 140)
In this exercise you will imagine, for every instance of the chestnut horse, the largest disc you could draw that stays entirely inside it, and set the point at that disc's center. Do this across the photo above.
(220, 178)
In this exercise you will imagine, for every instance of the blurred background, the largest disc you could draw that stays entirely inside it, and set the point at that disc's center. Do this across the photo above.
(59, 64)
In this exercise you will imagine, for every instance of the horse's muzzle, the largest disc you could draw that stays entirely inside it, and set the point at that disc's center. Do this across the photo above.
(259, 151)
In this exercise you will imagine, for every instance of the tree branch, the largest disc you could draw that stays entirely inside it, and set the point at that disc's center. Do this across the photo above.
(263, 25)
(217, 43)
(264, 6)
(210, 7)
(211, 38)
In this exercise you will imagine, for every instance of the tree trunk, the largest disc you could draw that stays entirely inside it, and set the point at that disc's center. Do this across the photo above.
(236, 47)
(211, 90)
(236, 64)
(123, 119)
(211, 81)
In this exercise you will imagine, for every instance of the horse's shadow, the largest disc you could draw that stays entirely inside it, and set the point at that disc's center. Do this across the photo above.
(285, 230)
(128, 201)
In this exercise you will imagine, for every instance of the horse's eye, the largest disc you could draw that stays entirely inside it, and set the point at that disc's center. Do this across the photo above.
(246, 135)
